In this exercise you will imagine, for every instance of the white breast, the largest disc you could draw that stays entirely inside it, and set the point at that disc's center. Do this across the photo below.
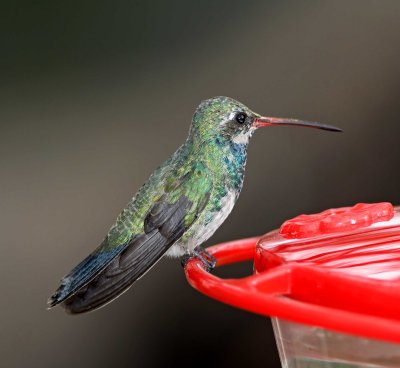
(205, 232)
(227, 205)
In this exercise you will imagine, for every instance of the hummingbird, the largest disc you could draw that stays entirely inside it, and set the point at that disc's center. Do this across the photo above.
(180, 206)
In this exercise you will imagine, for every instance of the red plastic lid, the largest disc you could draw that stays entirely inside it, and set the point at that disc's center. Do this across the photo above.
(348, 281)
(337, 220)
(372, 251)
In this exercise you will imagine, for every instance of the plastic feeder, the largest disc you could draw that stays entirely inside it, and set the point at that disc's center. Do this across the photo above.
(330, 282)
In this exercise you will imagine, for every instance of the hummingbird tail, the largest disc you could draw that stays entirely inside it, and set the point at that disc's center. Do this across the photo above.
(83, 273)
(143, 252)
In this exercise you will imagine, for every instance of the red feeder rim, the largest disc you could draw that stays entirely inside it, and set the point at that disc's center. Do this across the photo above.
(306, 292)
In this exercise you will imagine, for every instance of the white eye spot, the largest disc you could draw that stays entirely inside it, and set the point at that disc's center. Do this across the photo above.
(232, 116)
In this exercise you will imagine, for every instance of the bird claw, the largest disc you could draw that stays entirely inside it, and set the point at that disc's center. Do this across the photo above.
(208, 260)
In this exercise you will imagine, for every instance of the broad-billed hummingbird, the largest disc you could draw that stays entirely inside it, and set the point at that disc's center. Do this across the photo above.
(180, 206)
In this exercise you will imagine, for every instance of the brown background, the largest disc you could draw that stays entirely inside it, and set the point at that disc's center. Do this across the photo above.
(94, 96)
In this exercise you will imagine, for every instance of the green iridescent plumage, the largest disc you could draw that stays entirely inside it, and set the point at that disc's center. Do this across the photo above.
(205, 157)
(180, 206)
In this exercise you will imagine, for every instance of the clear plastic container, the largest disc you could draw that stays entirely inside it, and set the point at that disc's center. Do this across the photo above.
(302, 346)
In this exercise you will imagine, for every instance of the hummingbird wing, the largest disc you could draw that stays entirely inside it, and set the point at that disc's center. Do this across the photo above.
(103, 275)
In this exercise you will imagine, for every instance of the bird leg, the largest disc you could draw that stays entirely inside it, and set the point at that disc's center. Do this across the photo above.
(209, 261)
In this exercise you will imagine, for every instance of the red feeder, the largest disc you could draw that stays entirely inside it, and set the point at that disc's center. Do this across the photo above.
(330, 282)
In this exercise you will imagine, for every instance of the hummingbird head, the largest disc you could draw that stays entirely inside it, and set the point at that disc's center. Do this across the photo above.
(227, 120)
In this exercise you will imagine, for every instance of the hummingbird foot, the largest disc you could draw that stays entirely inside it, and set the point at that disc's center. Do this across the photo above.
(209, 261)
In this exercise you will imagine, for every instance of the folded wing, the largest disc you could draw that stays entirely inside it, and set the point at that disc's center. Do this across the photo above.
(109, 271)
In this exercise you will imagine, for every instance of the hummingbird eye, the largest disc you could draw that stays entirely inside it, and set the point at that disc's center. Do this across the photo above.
(240, 117)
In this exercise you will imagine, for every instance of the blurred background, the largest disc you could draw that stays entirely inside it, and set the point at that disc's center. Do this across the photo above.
(95, 95)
